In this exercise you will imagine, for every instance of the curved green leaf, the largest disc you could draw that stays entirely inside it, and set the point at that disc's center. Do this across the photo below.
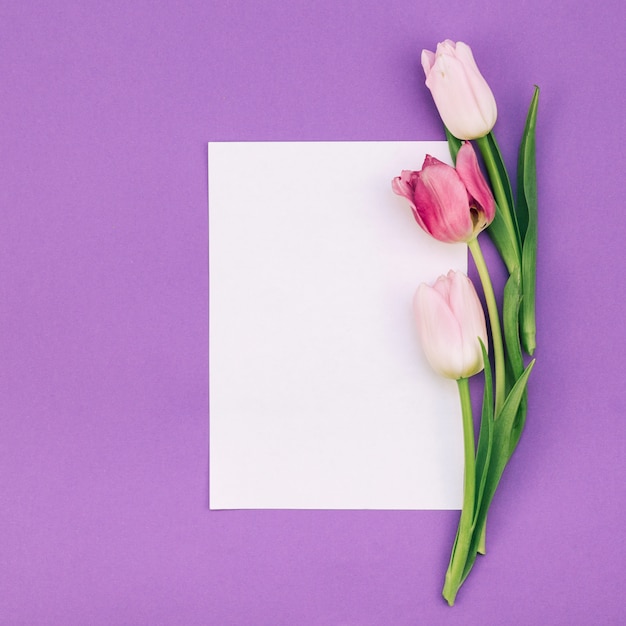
(503, 229)
(501, 236)
(499, 457)
(514, 358)
(510, 323)
(527, 206)
(504, 177)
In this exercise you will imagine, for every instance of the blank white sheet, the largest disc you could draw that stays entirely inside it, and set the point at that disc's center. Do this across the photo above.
(320, 396)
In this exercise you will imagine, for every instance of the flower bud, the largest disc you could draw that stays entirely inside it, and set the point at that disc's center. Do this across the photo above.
(462, 96)
(450, 320)
(452, 205)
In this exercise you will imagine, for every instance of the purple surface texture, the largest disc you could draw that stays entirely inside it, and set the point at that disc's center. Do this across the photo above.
(106, 109)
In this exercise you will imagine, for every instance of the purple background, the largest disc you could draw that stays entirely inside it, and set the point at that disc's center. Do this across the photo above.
(106, 109)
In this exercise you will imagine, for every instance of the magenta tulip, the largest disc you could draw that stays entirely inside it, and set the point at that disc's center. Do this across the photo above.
(450, 204)
(462, 96)
(450, 320)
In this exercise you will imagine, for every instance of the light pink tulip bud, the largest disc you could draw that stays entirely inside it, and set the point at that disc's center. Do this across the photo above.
(452, 205)
(450, 320)
(462, 96)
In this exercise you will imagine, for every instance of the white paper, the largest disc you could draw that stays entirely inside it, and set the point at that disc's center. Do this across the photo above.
(320, 396)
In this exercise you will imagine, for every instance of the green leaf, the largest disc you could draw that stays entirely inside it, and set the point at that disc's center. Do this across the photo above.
(504, 427)
(518, 423)
(499, 458)
(510, 323)
(527, 201)
(514, 358)
(526, 170)
(504, 177)
(454, 144)
(503, 229)
(501, 236)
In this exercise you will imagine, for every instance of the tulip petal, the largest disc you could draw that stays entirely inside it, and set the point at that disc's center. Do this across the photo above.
(450, 90)
(466, 306)
(442, 285)
(431, 160)
(480, 88)
(404, 185)
(446, 47)
(439, 332)
(473, 179)
(401, 186)
(462, 96)
(450, 319)
(428, 60)
(464, 53)
(441, 201)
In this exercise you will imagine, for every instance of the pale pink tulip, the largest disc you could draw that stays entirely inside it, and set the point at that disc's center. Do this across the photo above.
(450, 204)
(450, 320)
(462, 96)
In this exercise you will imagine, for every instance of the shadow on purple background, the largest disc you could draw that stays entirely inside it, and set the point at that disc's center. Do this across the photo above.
(105, 114)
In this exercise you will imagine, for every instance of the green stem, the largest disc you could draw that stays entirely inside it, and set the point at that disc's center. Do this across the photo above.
(494, 319)
(460, 551)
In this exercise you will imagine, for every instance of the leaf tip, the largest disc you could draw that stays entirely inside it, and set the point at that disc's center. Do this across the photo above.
(530, 342)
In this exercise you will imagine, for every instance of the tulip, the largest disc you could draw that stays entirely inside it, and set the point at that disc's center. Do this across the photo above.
(452, 205)
(462, 96)
(450, 321)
